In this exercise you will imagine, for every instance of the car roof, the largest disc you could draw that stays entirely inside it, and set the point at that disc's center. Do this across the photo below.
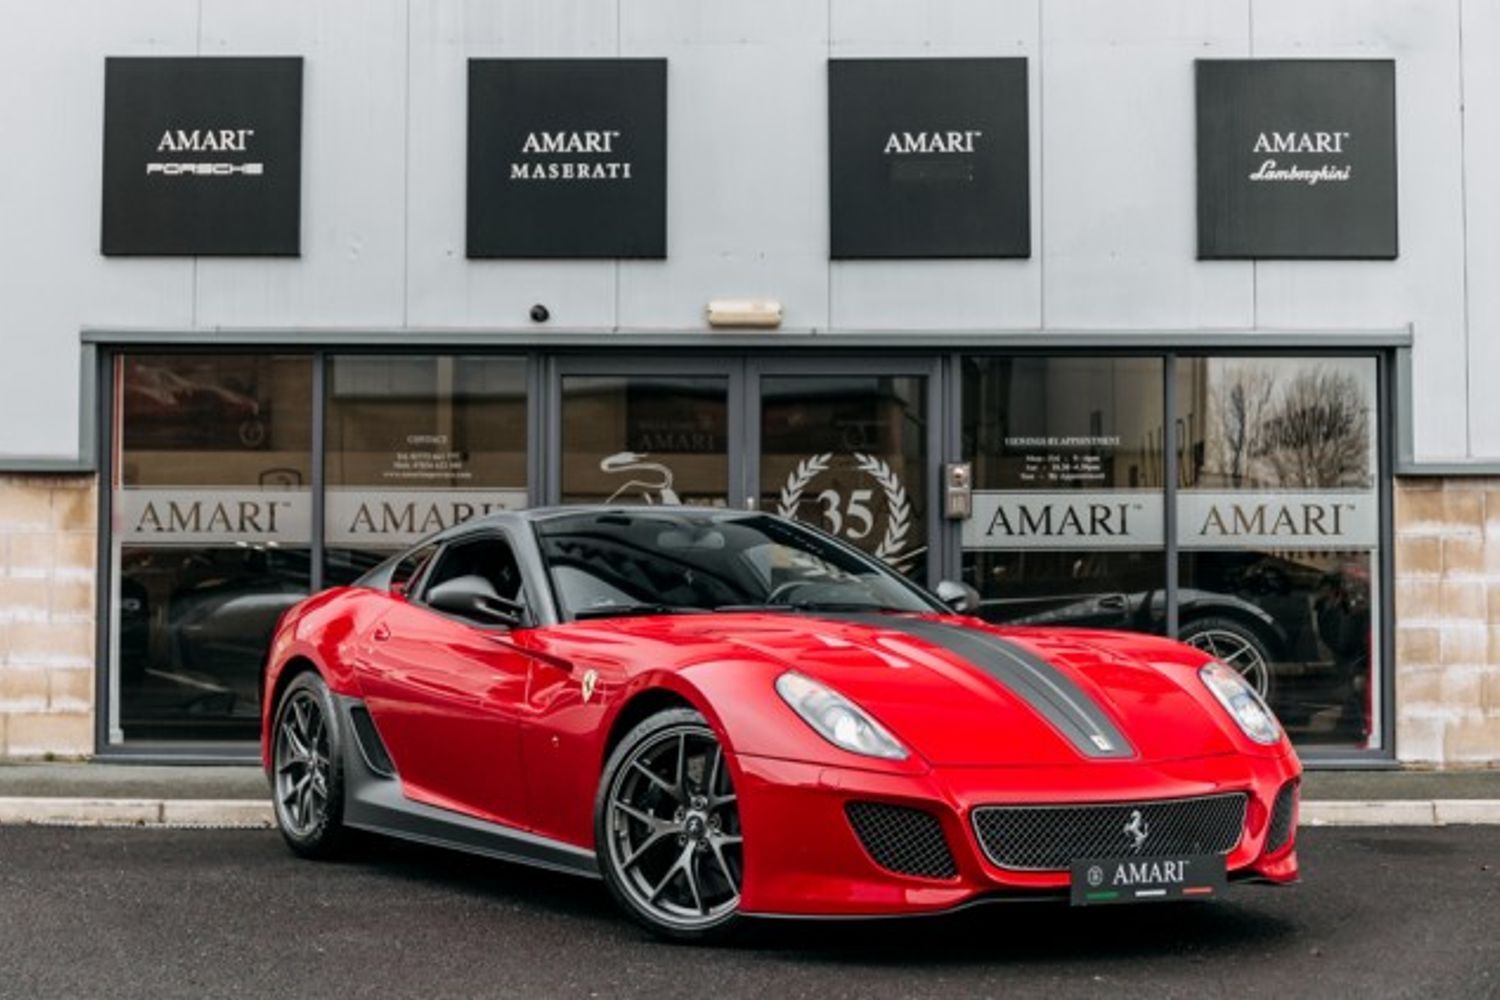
(532, 514)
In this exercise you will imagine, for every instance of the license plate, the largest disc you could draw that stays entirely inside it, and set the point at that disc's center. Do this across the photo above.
(1147, 880)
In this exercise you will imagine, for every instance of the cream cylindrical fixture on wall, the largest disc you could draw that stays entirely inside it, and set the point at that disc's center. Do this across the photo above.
(744, 312)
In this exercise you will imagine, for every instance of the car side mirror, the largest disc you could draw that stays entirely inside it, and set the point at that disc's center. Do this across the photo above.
(473, 597)
(961, 597)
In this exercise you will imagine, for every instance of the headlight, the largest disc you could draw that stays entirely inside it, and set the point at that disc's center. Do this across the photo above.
(1240, 701)
(837, 719)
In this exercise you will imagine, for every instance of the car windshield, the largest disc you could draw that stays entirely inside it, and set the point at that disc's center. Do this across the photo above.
(681, 562)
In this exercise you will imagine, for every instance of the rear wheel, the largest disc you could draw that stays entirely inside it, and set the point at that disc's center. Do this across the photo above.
(667, 826)
(307, 769)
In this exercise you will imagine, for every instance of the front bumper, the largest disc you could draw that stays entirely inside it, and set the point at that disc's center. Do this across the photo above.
(803, 857)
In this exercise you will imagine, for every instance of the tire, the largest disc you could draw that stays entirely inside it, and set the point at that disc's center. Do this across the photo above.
(669, 841)
(1238, 645)
(308, 743)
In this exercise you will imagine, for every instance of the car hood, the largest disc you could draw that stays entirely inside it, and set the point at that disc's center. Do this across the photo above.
(961, 692)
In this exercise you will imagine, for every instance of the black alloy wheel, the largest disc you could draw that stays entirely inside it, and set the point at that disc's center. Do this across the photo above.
(667, 826)
(307, 769)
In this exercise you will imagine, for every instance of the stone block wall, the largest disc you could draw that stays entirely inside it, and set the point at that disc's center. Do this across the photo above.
(1448, 620)
(47, 574)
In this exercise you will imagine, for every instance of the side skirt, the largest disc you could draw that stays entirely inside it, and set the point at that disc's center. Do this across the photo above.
(374, 802)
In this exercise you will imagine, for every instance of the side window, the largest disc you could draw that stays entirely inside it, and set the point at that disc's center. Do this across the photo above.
(409, 568)
(489, 557)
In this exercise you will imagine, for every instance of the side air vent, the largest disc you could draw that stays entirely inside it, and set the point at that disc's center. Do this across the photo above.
(902, 840)
(1283, 813)
(371, 747)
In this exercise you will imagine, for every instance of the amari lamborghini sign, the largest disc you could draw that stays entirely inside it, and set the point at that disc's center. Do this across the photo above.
(1296, 158)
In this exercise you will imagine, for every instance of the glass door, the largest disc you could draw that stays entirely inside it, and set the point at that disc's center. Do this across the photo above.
(851, 446)
(657, 431)
(848, 445)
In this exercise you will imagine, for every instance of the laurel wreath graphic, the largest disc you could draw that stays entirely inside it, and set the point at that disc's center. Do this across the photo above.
(807, 470)
(898, 505)
(898, 522)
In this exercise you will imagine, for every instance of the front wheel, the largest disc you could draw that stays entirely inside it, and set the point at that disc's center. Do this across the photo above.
(307, 769)
(667, 826)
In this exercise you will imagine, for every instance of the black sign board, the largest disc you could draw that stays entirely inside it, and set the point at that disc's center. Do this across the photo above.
(202, 156)
(567, 158)
(1297, 158)
(928, 158)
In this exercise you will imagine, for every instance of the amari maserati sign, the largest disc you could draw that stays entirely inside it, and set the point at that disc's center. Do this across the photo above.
(1296, 158)
(929, 158)
(567, 158)
(202, 156)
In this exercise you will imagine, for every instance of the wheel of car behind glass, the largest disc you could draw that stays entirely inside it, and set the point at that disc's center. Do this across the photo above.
(307, 769)
(667, 828)
(1235, 644)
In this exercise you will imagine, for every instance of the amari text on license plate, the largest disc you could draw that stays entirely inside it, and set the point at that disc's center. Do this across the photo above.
(1146, 880)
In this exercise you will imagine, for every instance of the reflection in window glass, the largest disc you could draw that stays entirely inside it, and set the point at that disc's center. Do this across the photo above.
(211, 528)
(416, 444)
(1278, 523)
(645, 439)
(849, 454)
(1068, 499)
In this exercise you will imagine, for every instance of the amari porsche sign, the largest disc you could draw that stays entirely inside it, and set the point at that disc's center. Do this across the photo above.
(929, 158)
(202, 156)
(1296, 158)
(567, 158)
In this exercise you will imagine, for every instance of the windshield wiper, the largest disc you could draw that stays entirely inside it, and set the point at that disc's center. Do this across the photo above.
(817, 606)
(627, 610)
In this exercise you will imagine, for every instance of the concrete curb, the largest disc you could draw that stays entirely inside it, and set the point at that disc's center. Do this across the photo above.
(221, 813)
(256, 814)
(1401, 812)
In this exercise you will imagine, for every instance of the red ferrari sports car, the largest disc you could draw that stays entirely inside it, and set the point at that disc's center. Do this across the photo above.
(726, 714)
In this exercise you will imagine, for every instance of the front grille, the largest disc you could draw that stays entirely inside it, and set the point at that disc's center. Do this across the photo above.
(1051, 838)
(1283, 812)
(902, 840)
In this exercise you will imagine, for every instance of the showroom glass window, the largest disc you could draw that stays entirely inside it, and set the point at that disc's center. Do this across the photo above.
(1278, 533)
(848, 453)
(211, 515)
(1067, 527)
(645, 439)
(416, 444)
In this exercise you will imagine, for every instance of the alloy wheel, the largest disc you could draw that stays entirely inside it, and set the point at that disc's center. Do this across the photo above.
(673, 829)
(1237, 652)
(302, 763)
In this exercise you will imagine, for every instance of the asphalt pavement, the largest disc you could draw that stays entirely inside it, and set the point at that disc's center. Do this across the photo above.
(200, 913)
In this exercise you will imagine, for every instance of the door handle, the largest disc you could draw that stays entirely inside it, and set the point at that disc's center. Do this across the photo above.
(381, 633)
(1113, 602)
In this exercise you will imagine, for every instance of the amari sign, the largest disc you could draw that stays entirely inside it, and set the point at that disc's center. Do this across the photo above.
(929, 158)
(567, 158)
(1286, 519)
(222, 516)
(1074, 519)
(202, 156)
(1296, 158)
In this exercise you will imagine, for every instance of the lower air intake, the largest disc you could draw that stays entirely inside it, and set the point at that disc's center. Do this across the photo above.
(1283, 813)
(903, 840)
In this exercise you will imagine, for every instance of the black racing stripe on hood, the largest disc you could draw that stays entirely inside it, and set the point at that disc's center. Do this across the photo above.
(1046, 689)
